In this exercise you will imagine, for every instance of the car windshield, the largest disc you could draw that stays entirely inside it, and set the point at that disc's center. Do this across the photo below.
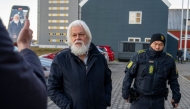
(99, 50)
(103, 49)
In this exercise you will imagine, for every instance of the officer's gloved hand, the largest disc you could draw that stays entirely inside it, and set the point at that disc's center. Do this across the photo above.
(127, 100)
(174, 104)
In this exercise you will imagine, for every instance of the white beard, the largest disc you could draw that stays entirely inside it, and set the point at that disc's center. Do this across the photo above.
(16, 21)
(79, 50)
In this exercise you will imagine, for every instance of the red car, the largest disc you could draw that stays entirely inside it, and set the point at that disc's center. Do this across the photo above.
(109, 51)
(50, 55)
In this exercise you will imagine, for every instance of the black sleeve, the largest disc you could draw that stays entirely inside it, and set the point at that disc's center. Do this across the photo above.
(55, 86)
(130, 73)
(33, 60)
(174, 85)
(21, 85)
(108, 84)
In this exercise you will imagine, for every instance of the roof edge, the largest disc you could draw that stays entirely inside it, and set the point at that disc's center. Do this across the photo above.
(82, 2)
(173, 35)
(167, 3)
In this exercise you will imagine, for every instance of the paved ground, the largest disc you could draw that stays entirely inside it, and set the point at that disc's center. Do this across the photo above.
(117, 78)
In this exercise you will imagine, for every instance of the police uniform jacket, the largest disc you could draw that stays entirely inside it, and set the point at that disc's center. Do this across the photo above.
(72, 84)
(151, 71)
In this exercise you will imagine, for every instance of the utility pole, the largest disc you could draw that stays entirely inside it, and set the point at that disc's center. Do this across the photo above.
(181, 26)
(186, 31)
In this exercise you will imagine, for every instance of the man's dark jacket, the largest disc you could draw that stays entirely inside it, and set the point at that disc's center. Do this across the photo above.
(22, 80)
(74, 85)
(14, 29)
(151, 71)
(179, 53)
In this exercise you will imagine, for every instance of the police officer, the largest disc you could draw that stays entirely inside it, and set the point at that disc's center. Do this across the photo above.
(179, 55)
(151, 69)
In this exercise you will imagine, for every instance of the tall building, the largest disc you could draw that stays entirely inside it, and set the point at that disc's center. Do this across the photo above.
(54, 16)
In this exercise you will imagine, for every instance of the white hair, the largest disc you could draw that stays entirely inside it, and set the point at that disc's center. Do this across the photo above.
(78, 23)
(16, 15)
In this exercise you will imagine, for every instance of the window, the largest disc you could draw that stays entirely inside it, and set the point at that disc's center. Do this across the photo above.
(53, 40)
(145, 46)
(128, 47)
(131, 39)
(50, 34)
(57, 40)
(184, 20)
(183, 36)
(59, 1)
(58, 8)
(147, 40)
(57, 27)
(58, 21)
(57, 34)
(135, 17)
(64, 40)
(58, 14)
(64, 34)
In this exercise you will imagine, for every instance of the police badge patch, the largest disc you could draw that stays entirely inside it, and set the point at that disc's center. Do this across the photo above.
(151, 69)
(176, 71)
(130, 64)
(162, 37)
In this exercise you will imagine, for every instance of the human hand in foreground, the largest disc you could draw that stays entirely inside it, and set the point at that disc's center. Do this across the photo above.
(25, 36)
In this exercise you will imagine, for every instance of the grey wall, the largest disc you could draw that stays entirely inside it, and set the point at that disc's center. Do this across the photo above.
(108, 20)
(172, 46)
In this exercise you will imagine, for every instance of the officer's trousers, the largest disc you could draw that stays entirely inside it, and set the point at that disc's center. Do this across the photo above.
(179, 59)
(148, 103)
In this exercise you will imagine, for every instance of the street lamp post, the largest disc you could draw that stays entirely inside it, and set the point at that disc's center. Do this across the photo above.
(186, 31)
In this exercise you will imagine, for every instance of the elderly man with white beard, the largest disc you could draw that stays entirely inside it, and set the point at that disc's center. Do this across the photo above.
(15, 27)
(79, 76)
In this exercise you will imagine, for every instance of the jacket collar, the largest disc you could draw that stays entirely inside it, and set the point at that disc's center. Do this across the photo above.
(154, 53)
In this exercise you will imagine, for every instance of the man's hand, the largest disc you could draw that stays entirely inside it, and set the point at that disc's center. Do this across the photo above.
(175, 104)
(25, 36)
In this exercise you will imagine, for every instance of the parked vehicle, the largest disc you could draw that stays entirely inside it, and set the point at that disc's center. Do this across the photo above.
(52, 55)
(46, 65)
(110, 52)
(104, 53)
(15, 48)
(187, 56)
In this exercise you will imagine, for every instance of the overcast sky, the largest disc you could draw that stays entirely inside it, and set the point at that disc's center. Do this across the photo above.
(178, 3)
(5, 9)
